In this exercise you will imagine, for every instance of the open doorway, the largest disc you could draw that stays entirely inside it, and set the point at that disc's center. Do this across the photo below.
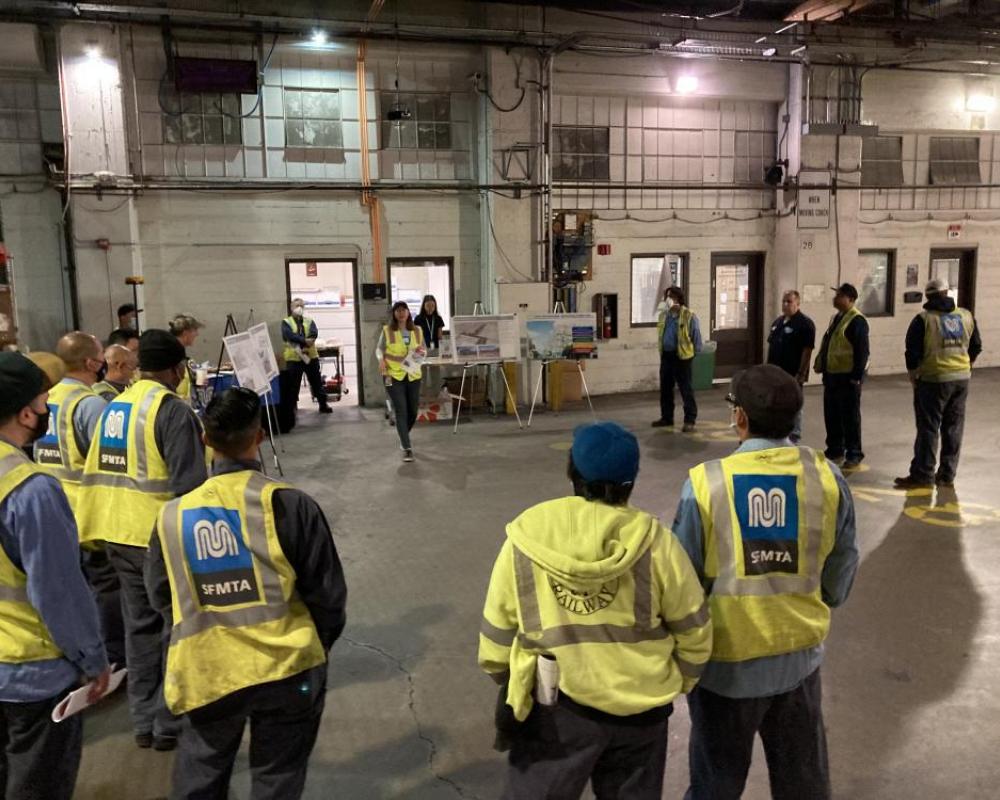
(328, 289)
(412, 278)
(958, 269)
(737, 311)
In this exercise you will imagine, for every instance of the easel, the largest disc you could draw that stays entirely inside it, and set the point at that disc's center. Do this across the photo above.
(477, 311)
(229, 330)
(559, 308)
(135, 281)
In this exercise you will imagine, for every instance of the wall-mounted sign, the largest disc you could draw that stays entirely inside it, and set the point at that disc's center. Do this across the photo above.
(912, 275)
(814, 202)
(311, 270)
(955, 231)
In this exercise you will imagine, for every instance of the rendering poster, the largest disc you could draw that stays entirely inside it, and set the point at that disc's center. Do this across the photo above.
(484, 338)
(555, 336)
(251, 372)
(265, 352)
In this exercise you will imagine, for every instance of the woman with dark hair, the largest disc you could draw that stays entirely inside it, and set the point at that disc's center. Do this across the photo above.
(400, 351)
(679, 337)
(431, 323)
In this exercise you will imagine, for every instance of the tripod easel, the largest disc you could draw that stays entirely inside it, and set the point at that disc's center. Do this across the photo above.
(559, 308)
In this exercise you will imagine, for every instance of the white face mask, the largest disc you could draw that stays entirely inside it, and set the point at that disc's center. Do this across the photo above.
(297, 311)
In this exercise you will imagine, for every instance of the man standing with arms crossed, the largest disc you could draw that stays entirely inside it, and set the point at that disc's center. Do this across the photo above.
(790, 345)
(148, 450)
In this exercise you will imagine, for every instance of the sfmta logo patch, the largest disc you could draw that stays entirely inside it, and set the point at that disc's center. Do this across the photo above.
(47, 448)
(113, 444)
(952, 330)
(767, 508)
(220, 562)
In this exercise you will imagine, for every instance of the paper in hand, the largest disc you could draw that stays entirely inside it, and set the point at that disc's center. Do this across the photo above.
(77, 701)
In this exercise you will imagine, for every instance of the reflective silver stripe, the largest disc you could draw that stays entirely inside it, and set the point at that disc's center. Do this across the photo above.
(12, 461)
(501, 636)
(158, 486)
(141, 466)
(689, 670)
(65, 426)
(591, 634)
(13, 594)
(531, 620)
(643, 582)
(691, 621)
(729, 582)
(194, 619)
(394, 359)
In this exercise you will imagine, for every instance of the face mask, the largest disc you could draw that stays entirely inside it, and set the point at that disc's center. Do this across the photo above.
(670, 302)
(102, 372)
(297, 311)
(41, 426)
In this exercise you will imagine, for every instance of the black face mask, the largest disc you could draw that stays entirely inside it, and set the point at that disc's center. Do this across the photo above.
(41, 426)
(102, 372)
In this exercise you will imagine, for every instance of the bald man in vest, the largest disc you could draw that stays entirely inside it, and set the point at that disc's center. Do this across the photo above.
(122, 364)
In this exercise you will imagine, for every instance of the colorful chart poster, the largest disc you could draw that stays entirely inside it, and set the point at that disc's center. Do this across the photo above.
(555, 336)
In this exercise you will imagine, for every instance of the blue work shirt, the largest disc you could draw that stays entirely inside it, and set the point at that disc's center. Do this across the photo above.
(669, 344)
(38, 534)
(762, 677)
(86, 417)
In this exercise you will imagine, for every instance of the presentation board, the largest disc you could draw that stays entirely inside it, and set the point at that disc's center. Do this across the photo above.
(265, 351)
(485, 337)
(555, 336)
(250, 370)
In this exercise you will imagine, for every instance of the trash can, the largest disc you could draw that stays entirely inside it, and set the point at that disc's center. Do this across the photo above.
(703, 368)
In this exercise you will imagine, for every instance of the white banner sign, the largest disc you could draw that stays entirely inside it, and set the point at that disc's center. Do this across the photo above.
(265, 351)
(250, 370)
(480, 338)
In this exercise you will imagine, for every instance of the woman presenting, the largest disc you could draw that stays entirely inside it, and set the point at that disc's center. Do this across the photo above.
(399, 352)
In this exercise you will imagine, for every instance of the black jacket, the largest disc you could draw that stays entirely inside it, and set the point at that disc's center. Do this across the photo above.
(915, 333)
(431, 327)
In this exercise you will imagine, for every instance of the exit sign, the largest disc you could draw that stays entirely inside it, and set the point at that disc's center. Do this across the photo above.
(604, 249)
(955, 231)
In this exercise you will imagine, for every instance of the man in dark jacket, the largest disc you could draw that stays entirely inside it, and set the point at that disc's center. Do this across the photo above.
(942, 343)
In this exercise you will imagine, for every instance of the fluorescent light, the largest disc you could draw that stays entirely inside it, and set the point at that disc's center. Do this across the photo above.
(686, 84)
(319, 37)
(93, 52)
(760, 40)
(786, 28)
(797, 50)
(980, 102)
(770, 51)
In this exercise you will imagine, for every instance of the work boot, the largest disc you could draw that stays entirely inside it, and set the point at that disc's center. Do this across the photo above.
(944, 483)
(407, 455)
(144, 740)
(164, 743)
(688, 427)
(909, 482)
(663, 423)
(325, 409)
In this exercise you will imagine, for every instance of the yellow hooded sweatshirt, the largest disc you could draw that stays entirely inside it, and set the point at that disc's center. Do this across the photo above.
(607, 591)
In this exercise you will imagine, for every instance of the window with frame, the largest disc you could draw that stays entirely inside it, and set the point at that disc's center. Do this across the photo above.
(312, 118)
(954, 160)
(581, 153)
(210, 119)
(429, 125)
(876, 282)
(882, 161)
(652, 275)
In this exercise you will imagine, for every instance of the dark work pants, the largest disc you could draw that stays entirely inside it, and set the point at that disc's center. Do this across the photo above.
(39, 758)
(559, 749)
(105, 587)
(313, 375)
(842, 412)
(940, 413)
(144, 645)
(790, 726)
(284, 722)
(675, 370)
(405, 398)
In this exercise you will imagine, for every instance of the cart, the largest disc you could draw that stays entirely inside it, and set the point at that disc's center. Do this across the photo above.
(335, 384)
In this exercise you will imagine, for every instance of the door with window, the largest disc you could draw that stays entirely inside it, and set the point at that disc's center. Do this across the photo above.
(737, 311)
(958, 269)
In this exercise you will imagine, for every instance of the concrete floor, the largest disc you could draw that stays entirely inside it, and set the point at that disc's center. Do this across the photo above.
(913, 658)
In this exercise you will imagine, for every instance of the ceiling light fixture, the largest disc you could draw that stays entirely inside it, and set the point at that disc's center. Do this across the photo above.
(770, 51)
(979, 99)
(93, 52)
(686, 84)
(797, 51)
(319, 37)
(786, 28)
(760, 40)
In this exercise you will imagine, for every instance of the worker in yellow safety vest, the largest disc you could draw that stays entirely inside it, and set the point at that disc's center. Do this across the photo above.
(187, 329)
(942, 343)
(148, 450)
(245, 571)
(678, 335)
(400, 352)
(299, 333)
(842, 360)
(594, 623)
(770, 530)
(122, 364)
(50, 635)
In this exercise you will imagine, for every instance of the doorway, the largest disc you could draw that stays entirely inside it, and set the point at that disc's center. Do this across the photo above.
(958, 268)
(412, 278)
(328, 289)
(737, 311)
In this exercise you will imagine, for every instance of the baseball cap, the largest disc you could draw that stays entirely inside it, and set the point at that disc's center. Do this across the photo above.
(846, 289)
(770, 396)
(21, 381)
(935, 286)
(159, 350)
(605, 451)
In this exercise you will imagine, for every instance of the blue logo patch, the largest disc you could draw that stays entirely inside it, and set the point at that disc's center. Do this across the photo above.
(114, 425)
(952, 328)
(51, 436)
(767, 506)
(213, 540)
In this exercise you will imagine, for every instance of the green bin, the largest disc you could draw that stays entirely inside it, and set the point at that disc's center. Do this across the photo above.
(703, 368)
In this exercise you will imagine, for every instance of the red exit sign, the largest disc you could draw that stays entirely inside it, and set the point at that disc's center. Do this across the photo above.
(604, 249)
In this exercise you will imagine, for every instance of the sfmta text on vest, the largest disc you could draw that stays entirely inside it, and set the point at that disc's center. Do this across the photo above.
(226, 587)
(764, 556)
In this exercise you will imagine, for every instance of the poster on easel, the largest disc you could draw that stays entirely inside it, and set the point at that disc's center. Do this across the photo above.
(250, 370)
(552, 337)
(483, 338)
(265, 351)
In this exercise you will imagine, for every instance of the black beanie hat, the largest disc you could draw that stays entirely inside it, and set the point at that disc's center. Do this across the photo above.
(21, 381)
(159, 350)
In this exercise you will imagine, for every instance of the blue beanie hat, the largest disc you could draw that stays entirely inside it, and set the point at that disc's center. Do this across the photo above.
(605, 451)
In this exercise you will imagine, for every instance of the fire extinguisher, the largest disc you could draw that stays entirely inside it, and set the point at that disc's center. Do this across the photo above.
(607, 321)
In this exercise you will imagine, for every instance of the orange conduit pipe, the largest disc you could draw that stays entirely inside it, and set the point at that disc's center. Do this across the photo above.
(368, 199)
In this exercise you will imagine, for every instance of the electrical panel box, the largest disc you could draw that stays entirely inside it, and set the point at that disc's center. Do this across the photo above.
(572, 247)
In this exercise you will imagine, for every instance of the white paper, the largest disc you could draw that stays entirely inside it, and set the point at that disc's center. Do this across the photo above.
(250, 370)
(484, 338)
(77, 701)
(546, 681)
(265, 350)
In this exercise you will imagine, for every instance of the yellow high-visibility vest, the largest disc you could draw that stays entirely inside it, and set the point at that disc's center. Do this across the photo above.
(125, 478)
(396, 351)
(291, 349)
(685, 344)
(770, 521)
(613, 640)
(237, 620)
(57, 452)
(946, 346)
(102, 388)
(839, 351)
(23, 634)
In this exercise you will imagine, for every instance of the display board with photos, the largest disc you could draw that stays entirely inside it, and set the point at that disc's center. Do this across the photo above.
(562, 336)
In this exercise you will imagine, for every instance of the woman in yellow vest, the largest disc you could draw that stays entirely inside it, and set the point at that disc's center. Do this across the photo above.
(400, 352)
